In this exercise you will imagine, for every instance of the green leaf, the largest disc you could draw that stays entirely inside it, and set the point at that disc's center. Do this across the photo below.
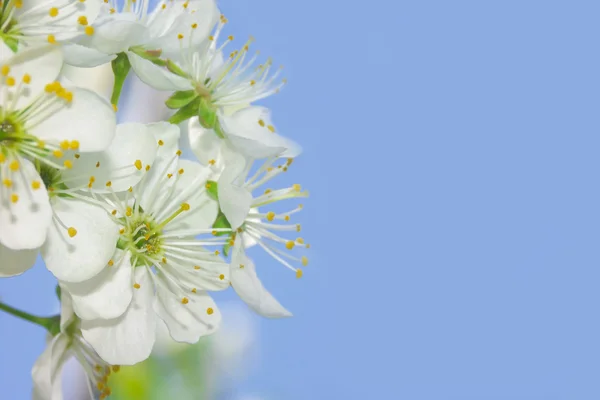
(180, 99)
(212, 188)
(207, 114)
(174, 68)
(186, 112)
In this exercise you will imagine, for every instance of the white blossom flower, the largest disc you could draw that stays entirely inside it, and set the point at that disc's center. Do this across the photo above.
(47, 370)
(156, 265)
(40, 120)
(254, 226)
(46, 21)
(133, 30)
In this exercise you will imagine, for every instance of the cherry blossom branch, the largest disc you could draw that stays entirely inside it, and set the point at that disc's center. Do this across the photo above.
(50, 323)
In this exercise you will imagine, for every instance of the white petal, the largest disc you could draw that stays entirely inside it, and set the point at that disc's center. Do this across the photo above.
(205, 143)
(107, 295)
(116, 33)
(24, 223)
(85, 57)
(100, 79)
(66, 309)
(47, 370)
(15, 262)
(166, 161)
(42, 63)
(128, 339)
(250, 289)
(235, 201)
(254, 138)
(89, 119)
(188, 322)
(78, 258)
(159, 78)
(189, 188)
(132, 142)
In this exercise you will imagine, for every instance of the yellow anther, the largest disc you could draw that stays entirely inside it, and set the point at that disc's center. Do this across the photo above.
(138, 164)
(5, 70)
(230, 37)
(217, 252)
(299, 273)
(212, 162)
(221, 277)
(72, 232)
(252, 82)
(194, 26)
(147, 168)
(304, 261)
(26, 79)
(7, 182)
(180, 172)
(122, 231)
(53, 12)
(210, 311)
(289, 244)
(169, 176)
(108, 184)
(300, 240)
(178, 152)
(116, 368)
(185, 300)
(10, 81)
(35, 185)
(215, 233)
(207, 186)
(89, 30)
(136, 286)
(100, 386)
(111, 263)
(270, 215)
(163, 6)
(115, 108)
(185, 206)
(19, 3)
(185, 5)
(98, 164)
(211, 38)
(286, 218)
(114, 212)
(64, 145)
(271, 128)
(74, 145)
(68, 164)
(289, 161)
(297, 187)
(82, 20)
(14, 198)
(164, 260)
(241, 266)
(196, 267)
(41, 144)
(268, 191)
(57, 153)
(298, 228)
(160, 143)
(128, 211)
(112, 11)
(2, 158)
(194, 290)
(14, 165)
(179, 36)
(130, 189)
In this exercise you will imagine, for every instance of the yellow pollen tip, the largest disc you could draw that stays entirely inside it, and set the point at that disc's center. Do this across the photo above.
(5, 70)
(300, 241)
(111, 263)
(179, 36)
(212, 162)
(64, 145)
(194, 26)
(194, 290)
(299, 273)
(128, 211)
(51, 39)
(185, 300)
(271, 128)
(185, 206)
(297, 187)
(138, 164)
(116, 368)
(217, 252)
(7, 182)
(108, 184)
(270, 215)
(147, 168)
(10, 81)
(261, 122)
(53, 12)
(304, 261)
(82, 20)
(196, 267)
(72, 232)
(221, 277)
(35, 185)
(26, 79)
(160, 143)
(14, 198)
(289, 245)
(136, 286)
(115, 108)
(210, 311)
(57, 153)
(14, 165)
(68, 164)
(89, 30)
(178, 152)
(181, 171)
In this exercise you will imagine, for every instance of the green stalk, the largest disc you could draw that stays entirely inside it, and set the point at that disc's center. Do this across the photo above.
(50, 323)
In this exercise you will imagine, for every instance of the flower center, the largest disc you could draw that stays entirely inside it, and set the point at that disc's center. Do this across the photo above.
(11, 132)
(142, 237)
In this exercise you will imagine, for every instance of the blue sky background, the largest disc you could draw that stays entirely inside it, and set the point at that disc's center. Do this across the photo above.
(451, 150)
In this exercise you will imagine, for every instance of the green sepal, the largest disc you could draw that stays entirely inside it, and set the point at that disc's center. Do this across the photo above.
(12, 43)
(174, 68)
(226, 248)
(186, 112)
(221, 222)
(150, 55)
(58, 292)
(212, 188)
(120, 67)
(181, 99)
(207, 114)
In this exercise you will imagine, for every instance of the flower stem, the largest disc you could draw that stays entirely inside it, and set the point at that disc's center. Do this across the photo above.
(46, 322)
(120, 67)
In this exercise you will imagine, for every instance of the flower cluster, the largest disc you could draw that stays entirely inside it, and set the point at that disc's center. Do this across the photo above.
(132, 231)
